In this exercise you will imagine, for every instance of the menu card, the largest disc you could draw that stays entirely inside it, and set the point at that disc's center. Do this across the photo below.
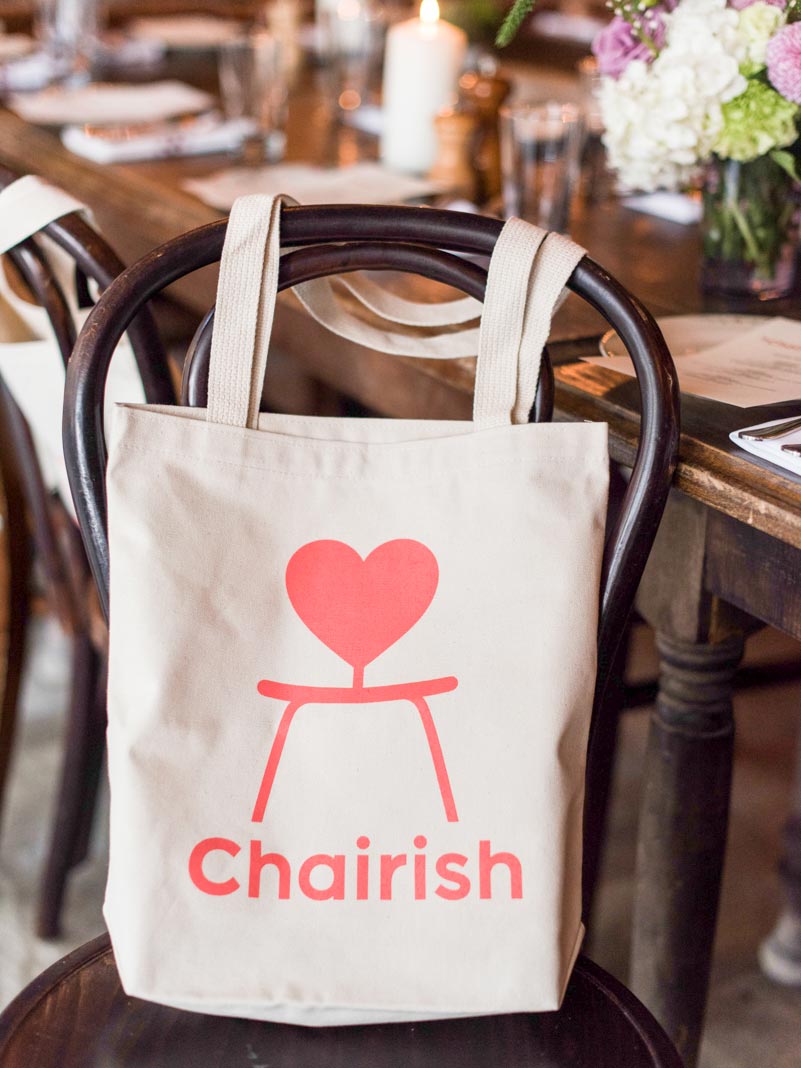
(758, 366)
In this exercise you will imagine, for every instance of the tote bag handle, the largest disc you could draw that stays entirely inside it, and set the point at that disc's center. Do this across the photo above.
(28, 205)
(527, 272)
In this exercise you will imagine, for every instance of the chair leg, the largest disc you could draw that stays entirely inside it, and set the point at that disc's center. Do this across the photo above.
(18, 571)
(79, 759)
(600, 770)
(95, 750)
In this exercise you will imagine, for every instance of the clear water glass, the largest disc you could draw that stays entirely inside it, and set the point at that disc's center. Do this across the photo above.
(350, 41)
(541, 146)
(68, 33)
(253, 85)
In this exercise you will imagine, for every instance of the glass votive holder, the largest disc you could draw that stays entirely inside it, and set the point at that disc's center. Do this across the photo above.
(541, 146)
(253, 86)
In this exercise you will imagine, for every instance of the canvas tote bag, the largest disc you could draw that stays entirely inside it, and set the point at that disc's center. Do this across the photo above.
(30, 360)
(351, 673)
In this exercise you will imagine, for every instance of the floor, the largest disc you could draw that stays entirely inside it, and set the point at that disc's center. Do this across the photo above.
(751, 1023)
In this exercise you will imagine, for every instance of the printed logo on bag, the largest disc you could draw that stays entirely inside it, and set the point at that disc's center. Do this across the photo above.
(359, 608)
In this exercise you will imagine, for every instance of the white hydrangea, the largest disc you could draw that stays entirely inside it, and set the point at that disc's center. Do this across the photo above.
(663, 118)
(756, 24)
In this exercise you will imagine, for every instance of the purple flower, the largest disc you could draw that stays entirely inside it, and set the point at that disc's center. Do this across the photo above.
(784, 62)
(738, 5)
(617, 44)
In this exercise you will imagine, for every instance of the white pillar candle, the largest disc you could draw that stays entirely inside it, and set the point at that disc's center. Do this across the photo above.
(423, 60)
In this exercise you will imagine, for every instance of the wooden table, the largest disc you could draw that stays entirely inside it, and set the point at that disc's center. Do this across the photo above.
(728, 554)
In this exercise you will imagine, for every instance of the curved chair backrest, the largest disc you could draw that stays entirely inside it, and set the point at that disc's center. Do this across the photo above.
(331, 240)
(350, 238)
(96, 261)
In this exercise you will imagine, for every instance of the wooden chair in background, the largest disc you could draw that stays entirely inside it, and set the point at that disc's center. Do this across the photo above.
(39, 528)
(76, 1013)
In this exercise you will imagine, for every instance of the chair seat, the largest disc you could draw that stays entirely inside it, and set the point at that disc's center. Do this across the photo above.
(76, 1015)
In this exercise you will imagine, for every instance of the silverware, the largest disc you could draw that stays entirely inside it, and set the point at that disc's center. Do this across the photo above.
(778, 431)
(793, 450)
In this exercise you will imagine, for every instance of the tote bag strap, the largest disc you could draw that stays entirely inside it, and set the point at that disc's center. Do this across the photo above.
(246, 292)
(527, 272)
(28, 205)
(321, 301)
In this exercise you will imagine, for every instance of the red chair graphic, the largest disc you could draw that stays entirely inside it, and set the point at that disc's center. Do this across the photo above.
(359, 608)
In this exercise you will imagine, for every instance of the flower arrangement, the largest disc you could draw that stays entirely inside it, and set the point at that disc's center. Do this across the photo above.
(715, 85)
(685, 81)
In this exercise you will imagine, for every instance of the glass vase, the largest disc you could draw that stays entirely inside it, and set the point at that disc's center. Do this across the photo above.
(750, 228)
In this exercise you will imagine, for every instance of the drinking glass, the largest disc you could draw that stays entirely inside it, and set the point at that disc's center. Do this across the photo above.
(68, 32)
(253, 86)
(541, 148)
(349, 34)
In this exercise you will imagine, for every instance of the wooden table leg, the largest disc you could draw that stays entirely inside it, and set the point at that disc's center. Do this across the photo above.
(780, 953)
(682, 834)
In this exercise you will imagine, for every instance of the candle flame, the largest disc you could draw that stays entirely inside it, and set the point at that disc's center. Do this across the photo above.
(429, 11)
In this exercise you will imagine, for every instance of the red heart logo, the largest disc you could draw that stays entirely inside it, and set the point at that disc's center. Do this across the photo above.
(359, 608)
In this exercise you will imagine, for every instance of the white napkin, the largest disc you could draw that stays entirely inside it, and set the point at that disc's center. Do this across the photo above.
(209, 133)
(185, 31)
(362, 183)
(31, 72)
(676, 207)
(116, 50)
(103, 103)
(772, 450)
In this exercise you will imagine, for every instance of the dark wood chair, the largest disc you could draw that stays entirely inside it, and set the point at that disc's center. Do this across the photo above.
(76, 1013)
(38, 527)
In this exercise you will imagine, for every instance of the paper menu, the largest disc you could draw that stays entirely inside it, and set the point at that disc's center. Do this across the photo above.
(758, 366)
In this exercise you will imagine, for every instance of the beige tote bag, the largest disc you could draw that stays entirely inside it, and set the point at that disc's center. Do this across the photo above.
(31, 364)
(351, 674)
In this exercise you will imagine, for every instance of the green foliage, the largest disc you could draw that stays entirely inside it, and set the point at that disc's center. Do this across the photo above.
(756, 122)
(515, 17)
(748, 210)
(787, 161)
(478, 18)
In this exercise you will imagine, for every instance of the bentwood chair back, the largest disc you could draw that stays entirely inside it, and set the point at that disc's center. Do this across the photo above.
(78, 1015)
(38, 525)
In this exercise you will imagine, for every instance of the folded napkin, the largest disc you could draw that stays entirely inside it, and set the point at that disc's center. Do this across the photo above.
(33, 71)
(772, 450)
(676, 207)
(191, 137)
(185, 31)
(37, 69)
(362, 183)
(116, 50)
(105, 103)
